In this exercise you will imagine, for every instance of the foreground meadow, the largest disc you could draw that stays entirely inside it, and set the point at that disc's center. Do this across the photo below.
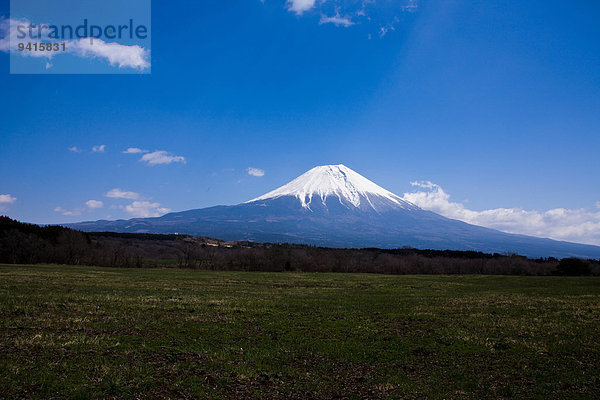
(82, 332)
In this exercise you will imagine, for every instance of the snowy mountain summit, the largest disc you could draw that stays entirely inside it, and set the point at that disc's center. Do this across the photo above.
(341, 184)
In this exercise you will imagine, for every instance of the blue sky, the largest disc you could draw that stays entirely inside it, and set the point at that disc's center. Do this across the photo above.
(496, 103)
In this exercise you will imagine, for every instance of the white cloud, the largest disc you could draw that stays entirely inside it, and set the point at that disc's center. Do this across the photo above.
(99, 149)
(255, 171)
(5, 200)
(117, 193)
(134, 150)
(75, 149)
(116, 54)
(92, 204)
(144, 209)
(300, 6)
(67, 212)
(9, 40)
(5, 31)
(161, 157)
(575, 225)
(337, 20)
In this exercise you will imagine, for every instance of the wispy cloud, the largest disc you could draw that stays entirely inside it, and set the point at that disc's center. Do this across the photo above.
(134, 150)
(99, 148)
(66, 212)
(116, 54)
(93, 204)
(6, 200)
(337, 20)
(122, 194)
(383, 30)
(383, 16)
(89, 206)
(410, 6)
(75, 149)
(161, 157)
(255, 171)
(145, 209)
(576, 225)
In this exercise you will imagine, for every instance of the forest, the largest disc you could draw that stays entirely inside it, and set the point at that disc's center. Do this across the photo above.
(22, 243)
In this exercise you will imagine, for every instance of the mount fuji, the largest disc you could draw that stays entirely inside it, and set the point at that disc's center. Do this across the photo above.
(335, 206)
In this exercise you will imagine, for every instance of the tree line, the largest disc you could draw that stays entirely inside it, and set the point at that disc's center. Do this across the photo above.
(22, 243)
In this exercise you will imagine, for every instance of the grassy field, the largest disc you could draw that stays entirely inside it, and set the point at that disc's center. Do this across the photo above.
(82, 332)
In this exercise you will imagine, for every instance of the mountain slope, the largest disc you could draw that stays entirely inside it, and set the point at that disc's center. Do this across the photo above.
(335, 206)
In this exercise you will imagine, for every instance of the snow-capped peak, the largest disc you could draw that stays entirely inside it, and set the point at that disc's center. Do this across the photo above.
(348, 186)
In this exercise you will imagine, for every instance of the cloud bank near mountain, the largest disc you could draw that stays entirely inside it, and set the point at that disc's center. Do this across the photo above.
(574, 225)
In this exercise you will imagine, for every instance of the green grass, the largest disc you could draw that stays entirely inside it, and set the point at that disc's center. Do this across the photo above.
(82, 332)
